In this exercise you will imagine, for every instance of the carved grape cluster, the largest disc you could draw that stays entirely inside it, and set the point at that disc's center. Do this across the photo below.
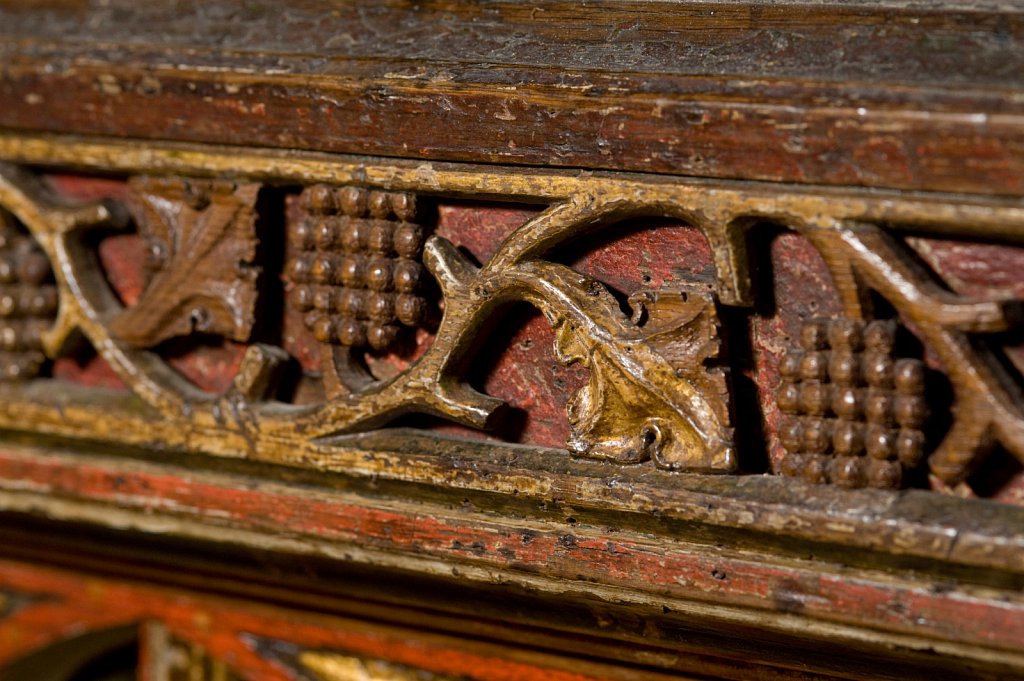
(852, 412)
(28, 303)
(359, 275)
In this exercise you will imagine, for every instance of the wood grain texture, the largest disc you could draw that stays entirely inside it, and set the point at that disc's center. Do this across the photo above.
(757, 168)
(702, 583)
(902, 95)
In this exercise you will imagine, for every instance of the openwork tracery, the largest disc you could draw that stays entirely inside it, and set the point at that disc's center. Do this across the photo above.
(658, 387)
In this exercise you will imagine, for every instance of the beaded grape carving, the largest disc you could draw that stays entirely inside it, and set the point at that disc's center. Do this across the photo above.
(28, 303)
(359, 279)
(852, 412)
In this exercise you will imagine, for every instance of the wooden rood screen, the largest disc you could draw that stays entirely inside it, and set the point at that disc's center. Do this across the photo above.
(504, 341)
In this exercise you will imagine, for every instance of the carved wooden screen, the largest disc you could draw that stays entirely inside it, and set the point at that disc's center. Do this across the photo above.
(741, 397)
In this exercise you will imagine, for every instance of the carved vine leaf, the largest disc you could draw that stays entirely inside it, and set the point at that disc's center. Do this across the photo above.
(650, 395)
(682, 326)
(201, 243)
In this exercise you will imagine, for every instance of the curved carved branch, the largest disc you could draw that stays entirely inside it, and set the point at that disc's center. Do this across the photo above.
(638, 405)
(989, 407)
(86, 302)
(584, 213)
(427, 385)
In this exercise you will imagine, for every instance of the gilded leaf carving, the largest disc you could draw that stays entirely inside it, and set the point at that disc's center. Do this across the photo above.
(643, 400)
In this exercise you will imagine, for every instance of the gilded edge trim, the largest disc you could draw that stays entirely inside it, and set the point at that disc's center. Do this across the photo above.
(987, 216)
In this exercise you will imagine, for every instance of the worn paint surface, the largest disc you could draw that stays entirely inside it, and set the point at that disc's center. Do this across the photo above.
(515, 361)
(901, 95)
(795, 285)
(804, 597)
(238, 633)
(894, 95)
(668, 571)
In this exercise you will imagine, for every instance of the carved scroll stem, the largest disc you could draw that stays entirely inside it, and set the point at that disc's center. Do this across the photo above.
(987, 407)
(85, 300)
(583, 213)
(565, 297)
(430, 384)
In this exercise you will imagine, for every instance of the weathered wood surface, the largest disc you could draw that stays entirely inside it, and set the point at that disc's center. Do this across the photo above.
(897, 94)
(263, 642)
(730, 576)
(920, 581)
(169, 480)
